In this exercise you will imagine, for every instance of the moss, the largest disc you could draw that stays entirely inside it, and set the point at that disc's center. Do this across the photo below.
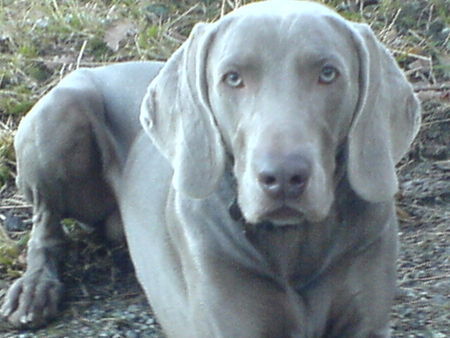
(38, 71)
(98, 49)
(9, 254)
(28, 50)
(20, 108)
(442, 8)
(6, 156)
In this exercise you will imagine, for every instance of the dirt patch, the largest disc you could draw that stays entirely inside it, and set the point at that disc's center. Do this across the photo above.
(423, 306)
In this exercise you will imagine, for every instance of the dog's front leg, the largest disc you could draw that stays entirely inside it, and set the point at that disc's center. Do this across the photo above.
(33, 299)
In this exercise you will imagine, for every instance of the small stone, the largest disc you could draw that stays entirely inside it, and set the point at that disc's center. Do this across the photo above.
(13, 223)
(132, 334)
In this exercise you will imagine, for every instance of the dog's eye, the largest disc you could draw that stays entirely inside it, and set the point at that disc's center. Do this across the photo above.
(233, 79)
(328, 74)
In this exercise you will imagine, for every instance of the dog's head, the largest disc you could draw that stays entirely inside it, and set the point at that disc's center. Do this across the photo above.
(283, 88)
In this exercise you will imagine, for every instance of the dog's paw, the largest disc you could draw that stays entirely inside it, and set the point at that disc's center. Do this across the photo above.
(32, 300)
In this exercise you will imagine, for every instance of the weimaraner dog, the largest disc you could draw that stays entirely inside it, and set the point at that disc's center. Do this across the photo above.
(258, 201)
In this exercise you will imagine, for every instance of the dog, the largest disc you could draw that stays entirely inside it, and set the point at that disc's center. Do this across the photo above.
(257, 199)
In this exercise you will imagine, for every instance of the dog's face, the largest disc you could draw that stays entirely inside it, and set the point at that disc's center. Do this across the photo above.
(283, 89)
(280, 87)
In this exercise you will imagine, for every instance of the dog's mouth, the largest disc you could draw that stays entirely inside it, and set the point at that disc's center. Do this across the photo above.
(278, 216)
(284, 215)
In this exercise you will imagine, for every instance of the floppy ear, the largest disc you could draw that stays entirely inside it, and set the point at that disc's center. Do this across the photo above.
(386, 120)
(176, 114)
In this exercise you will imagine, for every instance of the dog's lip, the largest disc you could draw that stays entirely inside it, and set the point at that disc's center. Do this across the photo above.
(283, 214)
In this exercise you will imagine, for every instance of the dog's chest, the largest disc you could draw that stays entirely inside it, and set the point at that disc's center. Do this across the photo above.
(295, 255)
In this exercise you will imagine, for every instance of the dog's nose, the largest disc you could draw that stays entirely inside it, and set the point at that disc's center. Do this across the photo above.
(284, 176)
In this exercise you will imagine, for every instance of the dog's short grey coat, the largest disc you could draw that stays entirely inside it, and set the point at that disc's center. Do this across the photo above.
(259, 199)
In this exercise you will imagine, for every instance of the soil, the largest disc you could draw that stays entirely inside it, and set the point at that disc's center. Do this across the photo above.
(422, 308)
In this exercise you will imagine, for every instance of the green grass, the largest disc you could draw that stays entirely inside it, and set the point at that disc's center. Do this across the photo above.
(6, 153)
(10, 251)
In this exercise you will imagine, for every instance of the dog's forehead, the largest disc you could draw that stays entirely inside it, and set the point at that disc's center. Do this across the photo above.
(282, 17)
(282, 8)
(273, 26)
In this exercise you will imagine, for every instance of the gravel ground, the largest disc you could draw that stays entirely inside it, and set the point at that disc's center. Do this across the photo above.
(423, 305)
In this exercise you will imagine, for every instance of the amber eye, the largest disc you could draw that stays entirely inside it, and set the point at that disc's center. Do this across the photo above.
(328, 74)
(233, 79)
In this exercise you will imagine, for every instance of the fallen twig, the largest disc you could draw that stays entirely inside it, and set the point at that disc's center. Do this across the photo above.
(424, 279)
(6, 207)
(417, 56)
(432, 88)
(434, 122)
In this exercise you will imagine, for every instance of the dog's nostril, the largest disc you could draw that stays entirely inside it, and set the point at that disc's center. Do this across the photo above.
(268, 179)
(297, 180)
(271, 184)
(296, 185)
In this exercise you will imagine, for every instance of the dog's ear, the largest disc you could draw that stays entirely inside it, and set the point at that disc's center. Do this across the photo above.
(386, 120)
(176, 114)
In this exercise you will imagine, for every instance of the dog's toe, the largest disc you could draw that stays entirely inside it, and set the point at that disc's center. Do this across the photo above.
(32, 300)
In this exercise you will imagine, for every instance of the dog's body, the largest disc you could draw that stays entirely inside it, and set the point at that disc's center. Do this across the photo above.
(239, 280)
(262, 203)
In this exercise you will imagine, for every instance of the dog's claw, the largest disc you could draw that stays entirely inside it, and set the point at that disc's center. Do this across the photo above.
(24, 319)
(28, 318)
